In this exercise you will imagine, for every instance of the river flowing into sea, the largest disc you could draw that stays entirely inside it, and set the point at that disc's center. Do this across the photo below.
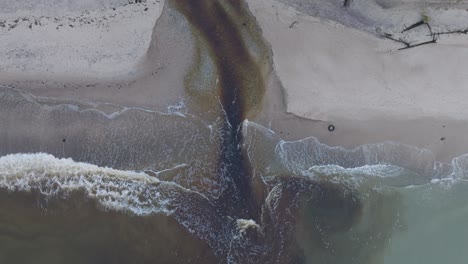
(79, 184)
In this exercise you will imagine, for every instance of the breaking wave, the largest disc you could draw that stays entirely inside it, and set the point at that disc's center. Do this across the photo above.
(114, 189)
(316, 203)
(408, 201)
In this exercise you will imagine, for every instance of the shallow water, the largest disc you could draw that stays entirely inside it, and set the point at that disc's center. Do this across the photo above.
(380, 203)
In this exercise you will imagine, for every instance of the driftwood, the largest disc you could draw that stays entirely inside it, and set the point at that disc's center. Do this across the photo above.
(400, 40)
(407, 44)
(433, 41)
(415, 25)
(430, 30)
(450, 32)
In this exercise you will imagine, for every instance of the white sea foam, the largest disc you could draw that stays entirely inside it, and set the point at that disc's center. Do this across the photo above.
(386, 163)
(131, 191)
(128, 191)
(303, 154)
(245, 225)
(396, 164)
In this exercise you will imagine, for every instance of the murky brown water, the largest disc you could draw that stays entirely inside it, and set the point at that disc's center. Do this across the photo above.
(75, 229)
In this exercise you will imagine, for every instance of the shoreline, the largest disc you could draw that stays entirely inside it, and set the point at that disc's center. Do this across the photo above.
(309, 88)
(334, 74)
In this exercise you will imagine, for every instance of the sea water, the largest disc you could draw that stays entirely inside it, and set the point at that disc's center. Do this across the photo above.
(111, 193)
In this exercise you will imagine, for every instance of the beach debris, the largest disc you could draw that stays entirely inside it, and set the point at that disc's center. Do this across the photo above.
(408, 44)
(293, 24)
(433, 41)
(400, 40)
(415, 25)
(459, 31)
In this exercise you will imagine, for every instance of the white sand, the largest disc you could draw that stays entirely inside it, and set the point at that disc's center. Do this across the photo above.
(67, 40)
(370, 91)
(327, 68)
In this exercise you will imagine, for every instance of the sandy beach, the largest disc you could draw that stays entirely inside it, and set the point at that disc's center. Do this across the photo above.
(262, 131)
(362, 84)
(324, 72)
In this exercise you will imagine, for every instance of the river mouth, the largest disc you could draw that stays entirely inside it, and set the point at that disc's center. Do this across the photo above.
(87, 183)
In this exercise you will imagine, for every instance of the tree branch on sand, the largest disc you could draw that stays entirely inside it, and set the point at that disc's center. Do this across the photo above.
(407, 44)
(433, 41)
(465, 31)
(415, 25)
(400, 40)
